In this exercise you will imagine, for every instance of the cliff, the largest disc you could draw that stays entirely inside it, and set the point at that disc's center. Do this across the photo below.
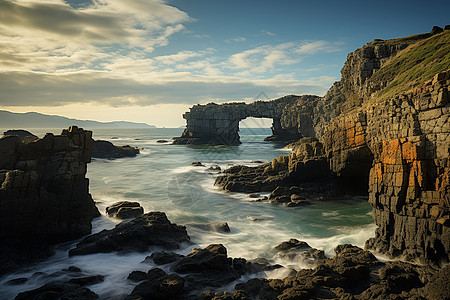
(44, 194)
(383, 129)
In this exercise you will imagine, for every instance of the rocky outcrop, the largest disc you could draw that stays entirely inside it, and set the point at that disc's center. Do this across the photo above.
(124, 210)
(216, 124)
(151, 229)
(352, 274)
(44, 194)
(106, 150)
(378, 136)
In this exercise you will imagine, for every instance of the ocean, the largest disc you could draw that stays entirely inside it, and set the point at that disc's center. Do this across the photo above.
(161, 179)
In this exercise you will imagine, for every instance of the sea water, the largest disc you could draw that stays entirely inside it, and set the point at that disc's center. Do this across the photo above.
(160, 178)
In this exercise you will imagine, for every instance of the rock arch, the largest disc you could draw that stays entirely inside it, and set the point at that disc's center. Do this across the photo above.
(218, 124)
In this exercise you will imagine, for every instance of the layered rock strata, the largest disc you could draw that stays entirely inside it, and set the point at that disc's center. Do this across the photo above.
(373, 137)
(44, 194)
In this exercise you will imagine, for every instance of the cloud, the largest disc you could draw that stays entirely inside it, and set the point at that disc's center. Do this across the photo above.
(54, 54)
(51, 35)
(313, 47)
(268, 33)
(264, 58)
(28, 88)
(236, 39)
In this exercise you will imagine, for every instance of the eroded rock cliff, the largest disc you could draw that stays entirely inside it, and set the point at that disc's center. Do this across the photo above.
(383, 128)
(44, 194)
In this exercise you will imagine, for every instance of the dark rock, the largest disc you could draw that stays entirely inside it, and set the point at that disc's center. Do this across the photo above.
(89, 280)
(214, 227)
(44, 196)
(257, 162)
(137, 276)
(125, 210)
(106, 150)
(209, 267)
(22, 134)
(155, 273)
(214, 168)
(261, 264)
(438, 286)
(436, 30)
(66, 291)
(163, 257)
(72, 269)
(151, 229)
(197, 164)
(166, 287)
(447, 27)
(293, 244)
(17, 281)
(162, 141)
(254, 195)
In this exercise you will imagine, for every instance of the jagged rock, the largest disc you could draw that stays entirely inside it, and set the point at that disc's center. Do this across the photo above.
(436, 30)
(124, 210)
(295, 249)
(206, 267)
(106, 150)
(44, 194)
(22, 134)
(59, 290)
(197, 164)
(163, 257)
(361, 140)
(215, 168)
(215, 227)
(165, 287)
(151, 229)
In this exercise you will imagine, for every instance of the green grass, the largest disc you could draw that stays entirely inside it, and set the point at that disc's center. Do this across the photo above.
(414, 65)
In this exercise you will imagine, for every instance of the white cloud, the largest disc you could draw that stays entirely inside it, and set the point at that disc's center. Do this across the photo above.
(313, 47)
(268, 33)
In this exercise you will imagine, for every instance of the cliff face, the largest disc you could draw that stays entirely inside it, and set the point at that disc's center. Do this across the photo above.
(385, 129)
(44, 194)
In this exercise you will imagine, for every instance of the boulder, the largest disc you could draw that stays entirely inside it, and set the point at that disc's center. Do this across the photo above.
(124, 210)
(197, 164)
(106, 150)
(162, 141)
(164, 287)
(137, 276)
(151, 229)
(163, 257)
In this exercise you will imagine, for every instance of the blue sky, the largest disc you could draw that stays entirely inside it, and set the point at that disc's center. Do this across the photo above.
(150, 60)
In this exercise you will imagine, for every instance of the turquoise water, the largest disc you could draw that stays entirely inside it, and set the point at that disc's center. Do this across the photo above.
(161, 179)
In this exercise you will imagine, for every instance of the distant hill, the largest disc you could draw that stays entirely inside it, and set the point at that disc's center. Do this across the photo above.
(37, 120)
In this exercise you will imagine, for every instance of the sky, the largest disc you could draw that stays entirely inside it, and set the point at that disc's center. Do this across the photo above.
(150, 60)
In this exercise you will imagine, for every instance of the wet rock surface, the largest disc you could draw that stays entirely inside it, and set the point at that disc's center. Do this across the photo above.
(107, 150)
(151, 229)
(124, 210)
(44, 194)
(352, 274)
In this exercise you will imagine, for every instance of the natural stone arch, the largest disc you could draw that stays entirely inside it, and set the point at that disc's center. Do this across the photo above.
(218, 124)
